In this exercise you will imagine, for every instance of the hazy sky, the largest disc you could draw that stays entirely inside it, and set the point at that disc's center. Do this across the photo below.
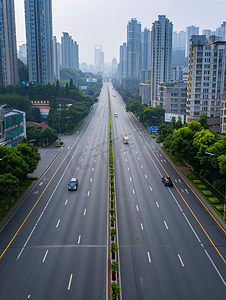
(104, 22)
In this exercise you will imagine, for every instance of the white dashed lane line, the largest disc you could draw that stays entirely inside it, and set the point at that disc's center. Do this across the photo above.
(149, 258)
(58, 223)
(44, 258)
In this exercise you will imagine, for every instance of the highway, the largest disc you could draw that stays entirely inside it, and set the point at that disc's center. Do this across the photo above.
(56, 244)
(170, 247)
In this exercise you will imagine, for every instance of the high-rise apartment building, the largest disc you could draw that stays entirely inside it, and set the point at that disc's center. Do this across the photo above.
(161, 53)
(23, 53)
(56, 58)
(190, 30)
(134, 56)
(69, 51)
(38, 20)
(8, 50)
(179, 40)
(206, 77)
(98, 58)
(123, 61)
(207, 33)
(146, 49)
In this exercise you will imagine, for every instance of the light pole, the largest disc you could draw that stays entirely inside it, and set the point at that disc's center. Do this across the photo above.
(209, 153)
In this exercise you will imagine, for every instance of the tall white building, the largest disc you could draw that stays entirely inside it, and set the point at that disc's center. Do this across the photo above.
(23, 53)
(38, 20)
(98, 58)
(206, 77)
(190, 30)
(161, 53)
(207, 33)
(56, 58)
(146, 49)
(123, 61)
(179, 40)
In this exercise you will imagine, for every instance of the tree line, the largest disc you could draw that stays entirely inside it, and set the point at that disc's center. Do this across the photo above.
(15, 164)
(203, 149)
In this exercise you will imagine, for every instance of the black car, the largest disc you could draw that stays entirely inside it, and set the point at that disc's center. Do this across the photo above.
(167, 181)
(73, 184)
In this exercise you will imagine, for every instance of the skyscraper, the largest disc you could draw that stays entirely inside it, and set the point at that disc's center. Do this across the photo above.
(146, 49)
(161, 53)
(98, 58)
(38, 20)
(70, 55)
(8, 52)
(56, 58)
(190, 30)
(134, 58)
(123, 61)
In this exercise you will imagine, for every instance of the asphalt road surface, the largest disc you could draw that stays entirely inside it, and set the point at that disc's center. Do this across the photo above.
(170, 246)
(55, 245)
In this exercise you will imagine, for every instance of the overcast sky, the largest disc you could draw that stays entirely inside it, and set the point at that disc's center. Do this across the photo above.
(104, 22)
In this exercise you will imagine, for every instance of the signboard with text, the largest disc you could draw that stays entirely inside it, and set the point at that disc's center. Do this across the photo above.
(153, 128)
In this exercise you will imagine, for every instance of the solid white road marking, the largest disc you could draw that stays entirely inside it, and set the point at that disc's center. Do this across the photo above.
(137, 207)
(181, 260)
(192, 228)
(58, 223)
(149, 258)
(150, 188)
(79, 239)
(66, 202)
(157, 204)
(141, 225)
(215, 268)
(166, 225)
(175, 200)
(70, 280)
(84, 212)
(88, 193)
(45, 256)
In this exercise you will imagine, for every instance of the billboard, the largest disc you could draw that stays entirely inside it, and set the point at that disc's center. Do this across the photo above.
(43, 105)
(26, 83)
(88, 79)
(94, 79)
(84, 87)
(153, 128)
(168, 117)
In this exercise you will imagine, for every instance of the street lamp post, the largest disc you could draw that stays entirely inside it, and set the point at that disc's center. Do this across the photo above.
(209, 153)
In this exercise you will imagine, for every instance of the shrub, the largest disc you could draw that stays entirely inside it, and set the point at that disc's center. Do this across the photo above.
(111, 210)
(115, 290)
(207, 193)
(202, 187)
(214, 200)
(197, 181)
(112, 219)
(112, 233)
(220, 207)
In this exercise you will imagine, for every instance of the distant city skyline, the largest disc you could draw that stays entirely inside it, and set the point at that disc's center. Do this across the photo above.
(99, 23)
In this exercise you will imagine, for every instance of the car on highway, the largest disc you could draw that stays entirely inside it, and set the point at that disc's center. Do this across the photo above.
(73, 184)
(116, 115)
(167, 181)
(125, 140)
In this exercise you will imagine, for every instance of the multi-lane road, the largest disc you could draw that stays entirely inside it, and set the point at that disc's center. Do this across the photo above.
(170, 246)
(55, 246)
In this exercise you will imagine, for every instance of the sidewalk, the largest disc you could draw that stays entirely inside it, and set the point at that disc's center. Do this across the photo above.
(48, 154)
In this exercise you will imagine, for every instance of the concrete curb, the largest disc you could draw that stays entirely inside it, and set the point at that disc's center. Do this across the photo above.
(196, 193)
